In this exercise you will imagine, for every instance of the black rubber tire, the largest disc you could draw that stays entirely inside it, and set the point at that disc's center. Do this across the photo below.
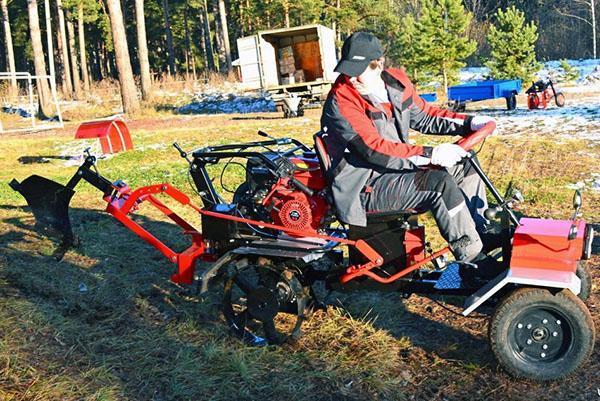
(583, 272)
(457, 106)
(577, 333)
(511, 102)
(560, 99)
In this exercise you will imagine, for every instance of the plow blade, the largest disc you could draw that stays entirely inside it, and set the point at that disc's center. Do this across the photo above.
(49, 202)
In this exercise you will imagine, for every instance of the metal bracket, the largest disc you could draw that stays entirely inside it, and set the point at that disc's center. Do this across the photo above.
(523, 276)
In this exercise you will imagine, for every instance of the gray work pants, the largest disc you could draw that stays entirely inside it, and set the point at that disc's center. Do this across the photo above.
(456, 197)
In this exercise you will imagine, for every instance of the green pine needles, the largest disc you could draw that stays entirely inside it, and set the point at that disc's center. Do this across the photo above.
(513, 46)
(434, 46)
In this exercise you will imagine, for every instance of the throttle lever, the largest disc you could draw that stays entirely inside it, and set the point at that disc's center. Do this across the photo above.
(182, 152)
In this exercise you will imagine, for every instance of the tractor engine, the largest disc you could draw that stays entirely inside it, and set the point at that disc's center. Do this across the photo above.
(296, 210)
(279, 201)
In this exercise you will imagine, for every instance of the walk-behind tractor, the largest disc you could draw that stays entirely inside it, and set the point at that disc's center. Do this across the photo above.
(279, 246)
(540, 94)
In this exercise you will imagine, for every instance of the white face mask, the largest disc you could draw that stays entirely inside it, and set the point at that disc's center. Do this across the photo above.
(370, 83)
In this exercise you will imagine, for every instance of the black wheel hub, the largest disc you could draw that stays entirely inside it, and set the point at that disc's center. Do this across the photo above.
(540, 335)
(262, 304)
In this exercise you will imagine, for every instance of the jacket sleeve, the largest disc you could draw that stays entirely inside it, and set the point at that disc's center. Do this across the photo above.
(429, 119)
(346, 117)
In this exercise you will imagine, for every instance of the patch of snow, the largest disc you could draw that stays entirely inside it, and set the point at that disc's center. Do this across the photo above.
(16, 110)
(219, 102)
(594, 182)
(154, 146)
(75, 150)
(579, 118)
(474, 74)
(578, 185)
(589, 71)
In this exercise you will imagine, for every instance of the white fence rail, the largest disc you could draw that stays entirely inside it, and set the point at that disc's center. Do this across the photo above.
(34, 124)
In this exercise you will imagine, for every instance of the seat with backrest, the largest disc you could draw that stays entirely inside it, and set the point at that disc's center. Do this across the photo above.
(372, 217)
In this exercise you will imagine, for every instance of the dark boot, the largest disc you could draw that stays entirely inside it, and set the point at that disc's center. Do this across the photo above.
(491, 241)
(482, 267)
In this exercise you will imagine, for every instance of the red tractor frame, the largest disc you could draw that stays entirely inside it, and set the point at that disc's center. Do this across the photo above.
(280, 237)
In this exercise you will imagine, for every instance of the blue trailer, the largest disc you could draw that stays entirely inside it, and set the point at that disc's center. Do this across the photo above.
(475, 91)
(429, 97)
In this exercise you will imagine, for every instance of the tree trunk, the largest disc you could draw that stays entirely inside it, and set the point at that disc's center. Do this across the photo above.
(38, 58)
(225, 33)
(169, 33)
(82, 54)
(593, 7)
(143, 50)
(103, 60)
(187, 44)
(207, 39)
(249, 17)
(131, 103)
(286, 13)
(73, 53)
(50, 50)
(203, 40)
(218, 43)
(10, 54)
(445, 73)
(63, 53)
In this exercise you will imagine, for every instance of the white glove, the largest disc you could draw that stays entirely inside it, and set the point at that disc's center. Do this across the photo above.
(478, 122)
(447, 155)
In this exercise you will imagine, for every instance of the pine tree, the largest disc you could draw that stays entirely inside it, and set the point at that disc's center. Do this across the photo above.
(406, 50)
(443, 44)
(513, 46)
(571, 73)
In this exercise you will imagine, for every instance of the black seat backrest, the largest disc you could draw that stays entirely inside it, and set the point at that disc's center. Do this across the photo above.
(322, 155)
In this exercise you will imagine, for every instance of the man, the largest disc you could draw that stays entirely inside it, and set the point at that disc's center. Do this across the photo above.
(365, 126)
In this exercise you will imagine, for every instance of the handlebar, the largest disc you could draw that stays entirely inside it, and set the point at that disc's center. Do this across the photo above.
(470, 141)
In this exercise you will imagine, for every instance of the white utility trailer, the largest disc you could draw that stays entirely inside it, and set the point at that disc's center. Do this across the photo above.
(295, 65)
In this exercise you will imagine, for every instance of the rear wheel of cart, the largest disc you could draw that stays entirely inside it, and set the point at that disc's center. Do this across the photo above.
(583, 272)
(511, 102)
(533, 101)
(457, 106)
(541, 336)
(560, 99)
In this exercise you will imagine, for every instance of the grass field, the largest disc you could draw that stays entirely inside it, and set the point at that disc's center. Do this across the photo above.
(105, 323)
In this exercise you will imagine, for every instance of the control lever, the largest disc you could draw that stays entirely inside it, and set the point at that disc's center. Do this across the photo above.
(280, 141)
(517, 197)
(92, 158)
(182, 152)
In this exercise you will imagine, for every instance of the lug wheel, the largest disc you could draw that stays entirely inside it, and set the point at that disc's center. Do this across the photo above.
(264, 304)
(541, 336)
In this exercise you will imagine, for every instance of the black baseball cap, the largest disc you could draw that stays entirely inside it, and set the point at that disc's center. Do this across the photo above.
(358, 51)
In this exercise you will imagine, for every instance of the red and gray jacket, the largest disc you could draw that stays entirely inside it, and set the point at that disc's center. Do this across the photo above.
(365, 139)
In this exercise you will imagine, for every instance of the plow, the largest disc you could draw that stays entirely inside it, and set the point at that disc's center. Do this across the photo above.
(279, 241)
